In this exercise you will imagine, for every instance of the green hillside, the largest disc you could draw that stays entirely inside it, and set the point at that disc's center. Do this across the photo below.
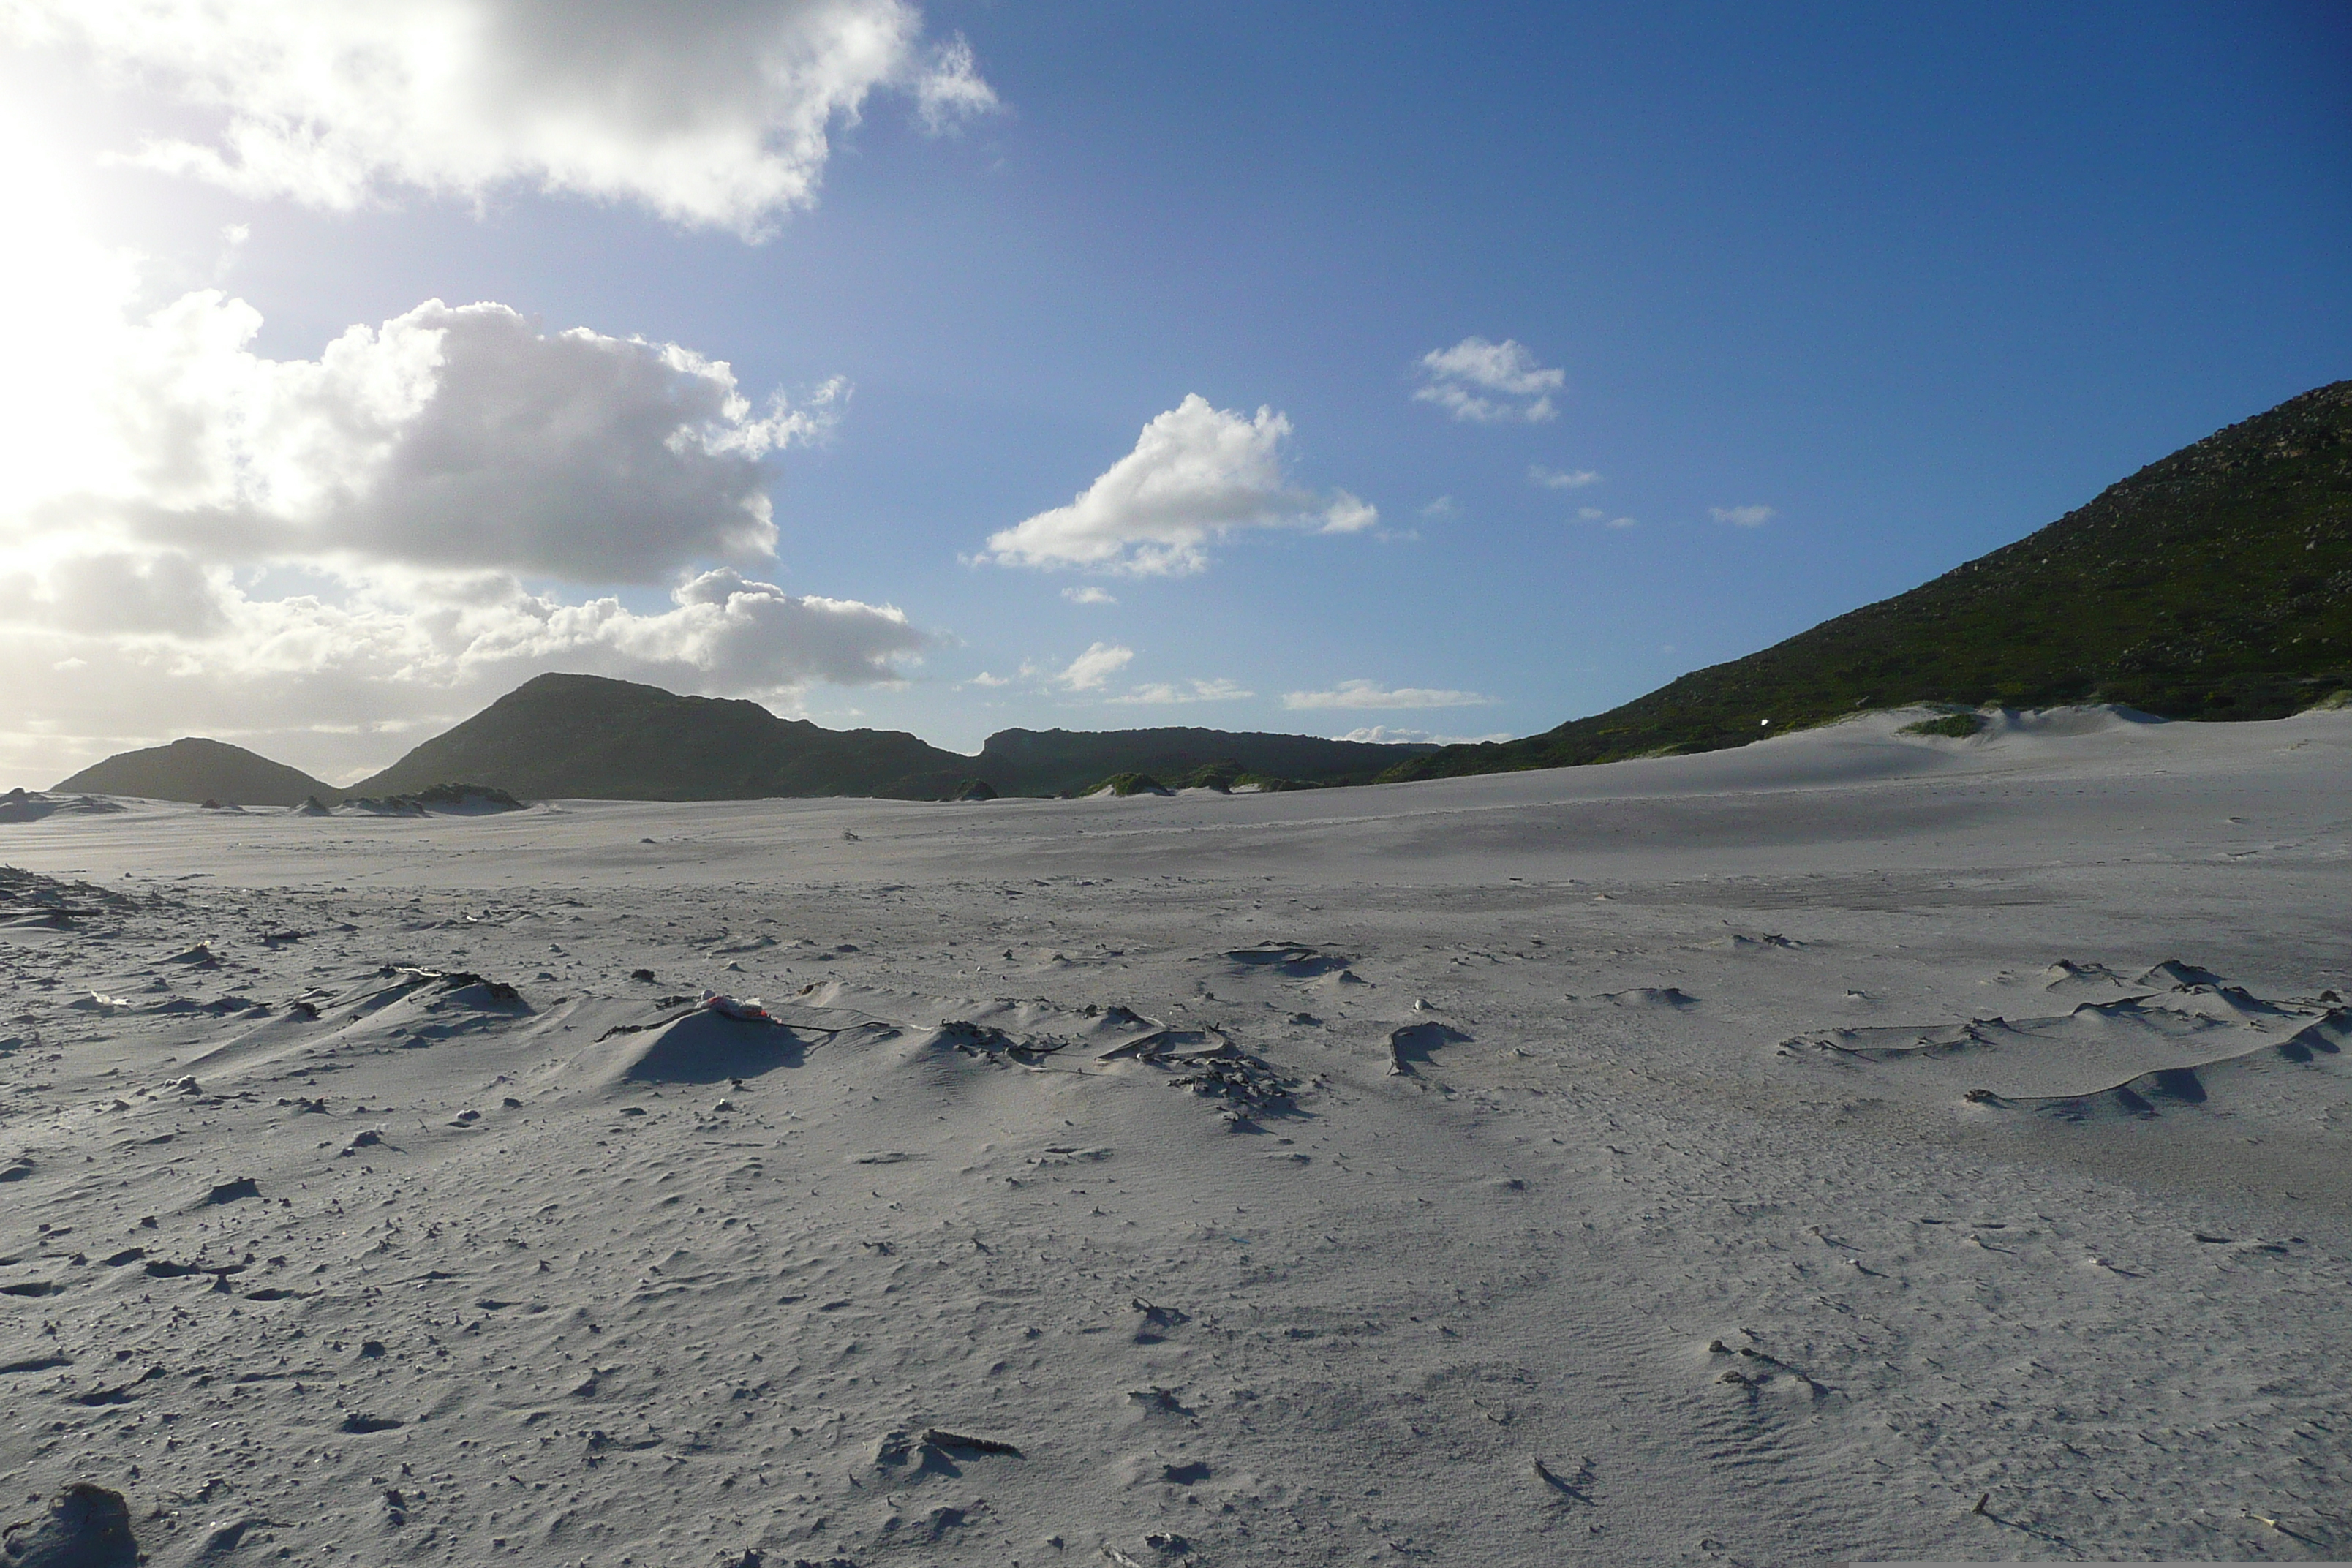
(2215, 584)
(195, 769)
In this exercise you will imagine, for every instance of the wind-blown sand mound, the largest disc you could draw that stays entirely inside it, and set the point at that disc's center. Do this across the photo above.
(707, 1044)
(2134, 1056)
(28, 806)
(1854, 1146)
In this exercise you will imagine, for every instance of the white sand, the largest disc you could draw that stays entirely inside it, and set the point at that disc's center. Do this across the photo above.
(1589, 1068)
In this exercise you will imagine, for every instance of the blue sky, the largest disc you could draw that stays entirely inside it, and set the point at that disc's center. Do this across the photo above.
(1837, 297)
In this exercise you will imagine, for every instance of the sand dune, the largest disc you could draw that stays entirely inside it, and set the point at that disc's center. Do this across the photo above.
(1757, 1157)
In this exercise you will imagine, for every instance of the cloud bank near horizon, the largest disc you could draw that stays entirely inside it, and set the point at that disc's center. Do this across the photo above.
(1388, 735)
(1371, 694)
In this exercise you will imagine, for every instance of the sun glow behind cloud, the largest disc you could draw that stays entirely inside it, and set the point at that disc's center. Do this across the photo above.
(191, 532)
(711, 116)
(62, 347)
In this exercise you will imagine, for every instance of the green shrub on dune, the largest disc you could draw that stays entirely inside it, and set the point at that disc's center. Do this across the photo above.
(1952, 726)
(1130, 784)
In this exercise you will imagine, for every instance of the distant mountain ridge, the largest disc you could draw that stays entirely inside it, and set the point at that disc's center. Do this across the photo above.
(197, 770)
(590, 737)
(2213, 584)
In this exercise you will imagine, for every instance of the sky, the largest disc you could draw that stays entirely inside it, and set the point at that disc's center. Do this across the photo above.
(1401, 371)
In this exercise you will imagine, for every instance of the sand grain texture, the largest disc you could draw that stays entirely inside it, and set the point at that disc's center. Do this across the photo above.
(1748, 1158)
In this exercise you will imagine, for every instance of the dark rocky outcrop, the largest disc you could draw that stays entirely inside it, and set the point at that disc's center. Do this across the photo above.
(84, 1526)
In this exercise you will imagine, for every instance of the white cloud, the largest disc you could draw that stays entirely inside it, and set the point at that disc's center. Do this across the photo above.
(714, 115)
(196, 537)
(948, 89)
(447, 438)
(1443, 507)
(1591, 513)
(1088, 596)
(1091, 668)
(722, 631)
(1197, 473)
(1383, 734)
(1194, 690)
(736, 634)
(165, 593)
(1489, 382)
(1347, 514)
(1743, 516)
(1371, 694)
(984, 678)
(1558, 480)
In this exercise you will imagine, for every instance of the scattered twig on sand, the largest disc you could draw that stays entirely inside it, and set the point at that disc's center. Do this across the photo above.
(2265, 1519)
(1562, 1484)
(938, 1439)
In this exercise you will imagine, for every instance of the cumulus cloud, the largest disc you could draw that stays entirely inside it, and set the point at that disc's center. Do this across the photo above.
(1743, 516)
(712, 115)
(1489, 382)
(736, 634)
(193, 536)
(1371, 694)
(1088, 596)
(1559, 480)
(1194, 690)
(1198, 473)
(1091, 668)
(447, 438)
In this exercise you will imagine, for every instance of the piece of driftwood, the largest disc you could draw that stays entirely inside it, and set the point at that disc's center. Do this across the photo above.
(940, 1439)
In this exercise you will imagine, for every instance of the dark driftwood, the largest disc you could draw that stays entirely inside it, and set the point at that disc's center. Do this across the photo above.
(939, 1440)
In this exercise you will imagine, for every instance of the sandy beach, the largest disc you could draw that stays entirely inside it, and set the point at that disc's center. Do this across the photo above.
(1852, 1145)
